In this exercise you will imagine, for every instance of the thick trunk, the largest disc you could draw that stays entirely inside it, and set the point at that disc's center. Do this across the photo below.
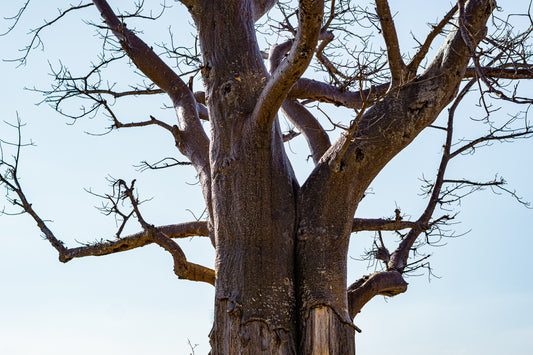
(253, 189)
(282, 250)
(327, 333)
(254, 198)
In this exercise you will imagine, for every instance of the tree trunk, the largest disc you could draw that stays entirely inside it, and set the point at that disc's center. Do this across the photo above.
(281, 249)
(253, 195)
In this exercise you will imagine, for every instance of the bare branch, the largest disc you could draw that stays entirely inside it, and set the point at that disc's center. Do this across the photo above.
(312, 90)
(396, 65)
(182, 268)
(290, 70)
(16, 18)
(380, 224)
(508, 72)
(399, 257)
(456, 193)
(181, 230)
(192, 141)
(384, 283)
(118, 94)
(36, 33)
(493, 136)
(162, 236)
(465, 32)
(424, 48)
(190, 136)
(161, 164)
(317, 138)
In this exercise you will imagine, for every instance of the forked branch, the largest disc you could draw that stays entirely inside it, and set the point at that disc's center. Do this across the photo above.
(182, 268)
(177, 231)
(192, 141)
(162, 236)
(36, 41)
(399, 257)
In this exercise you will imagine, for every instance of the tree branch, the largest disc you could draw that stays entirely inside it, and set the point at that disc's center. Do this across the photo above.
(384, 283)
(190, 136)
(305, 122)
(192, 139)
(398, 260)
(424, 48)
(510, 71)
(182, 268)
(313, 90)
(492, 137)
(290, 70)
(161, 236)
(137, 240)
(35, 41)
(261, 7)
(380, 224)
(397, 67)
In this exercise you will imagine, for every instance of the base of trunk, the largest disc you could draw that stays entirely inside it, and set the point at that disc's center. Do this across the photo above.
(326, 333)
(231, 335)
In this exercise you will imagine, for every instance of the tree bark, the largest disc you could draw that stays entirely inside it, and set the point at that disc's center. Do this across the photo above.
(253, 189)
(281, 284)
(281, 250)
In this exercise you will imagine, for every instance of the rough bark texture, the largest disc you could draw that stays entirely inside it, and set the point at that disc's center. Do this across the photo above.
(253, 194)
(281, 249)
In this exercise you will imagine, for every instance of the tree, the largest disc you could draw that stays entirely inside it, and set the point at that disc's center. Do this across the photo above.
(281, 277)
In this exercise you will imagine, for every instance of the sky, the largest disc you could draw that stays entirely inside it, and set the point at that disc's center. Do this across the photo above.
(478, 302)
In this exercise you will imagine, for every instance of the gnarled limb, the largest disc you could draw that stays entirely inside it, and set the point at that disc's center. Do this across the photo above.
(183, 268)
(384, 283)
(161, 236)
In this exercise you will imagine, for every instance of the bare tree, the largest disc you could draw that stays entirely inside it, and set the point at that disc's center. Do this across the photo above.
(281, 249)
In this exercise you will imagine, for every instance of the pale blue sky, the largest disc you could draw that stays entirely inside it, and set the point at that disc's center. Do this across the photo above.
(132, 303)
